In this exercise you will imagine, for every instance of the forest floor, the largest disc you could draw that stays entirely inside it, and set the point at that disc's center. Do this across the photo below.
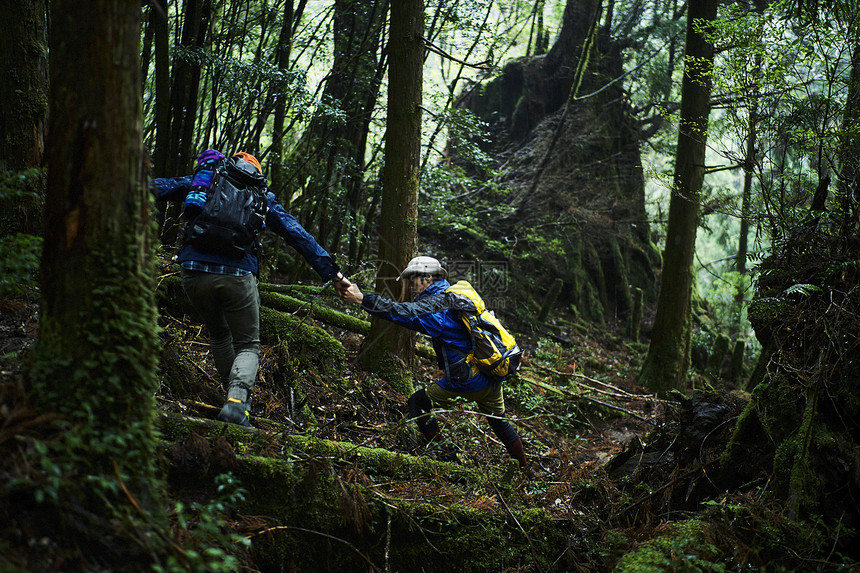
(553, 402)
(575, 403)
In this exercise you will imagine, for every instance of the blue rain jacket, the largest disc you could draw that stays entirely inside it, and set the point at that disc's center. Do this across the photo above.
(433, 314)
(277, 220)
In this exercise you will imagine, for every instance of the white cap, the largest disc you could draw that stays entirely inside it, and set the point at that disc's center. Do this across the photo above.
(423, 266)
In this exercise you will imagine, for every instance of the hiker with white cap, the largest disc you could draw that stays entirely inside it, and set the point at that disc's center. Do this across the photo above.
(435, 312)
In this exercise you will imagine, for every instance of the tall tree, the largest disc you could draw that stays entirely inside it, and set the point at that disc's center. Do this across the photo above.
(23, 107)
(331, 154)
(184, 87)
(665, 366)
(95, 359)
(849, 164)
(389, 347)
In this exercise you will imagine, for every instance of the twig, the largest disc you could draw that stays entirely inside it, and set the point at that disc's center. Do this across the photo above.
(648, 397)
(125, 489)
(517, 521)
(587, 398)
(436, 49)
(320, 533)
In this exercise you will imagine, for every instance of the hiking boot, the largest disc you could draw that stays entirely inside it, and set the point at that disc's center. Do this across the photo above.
(235, 412)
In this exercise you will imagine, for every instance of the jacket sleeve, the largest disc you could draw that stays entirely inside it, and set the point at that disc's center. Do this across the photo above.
(426, 315)
(289, 228)
(171, 189)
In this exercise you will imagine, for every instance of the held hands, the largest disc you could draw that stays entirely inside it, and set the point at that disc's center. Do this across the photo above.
(353, 294)
(341, 284)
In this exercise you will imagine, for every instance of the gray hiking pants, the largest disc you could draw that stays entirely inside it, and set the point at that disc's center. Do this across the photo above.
(230, 309)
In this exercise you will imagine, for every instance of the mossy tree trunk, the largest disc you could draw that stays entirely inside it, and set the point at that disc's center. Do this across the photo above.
(668, 358)
(95, 359)
(388, 347)
(23, 108)
(570, 145)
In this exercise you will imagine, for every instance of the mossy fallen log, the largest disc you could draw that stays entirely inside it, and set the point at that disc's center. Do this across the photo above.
(302, 308)
(304, 345)
(329, 506)
(176, 427)
(273, 297)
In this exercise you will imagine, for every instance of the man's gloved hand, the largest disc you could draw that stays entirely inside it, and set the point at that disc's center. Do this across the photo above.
(206, 163)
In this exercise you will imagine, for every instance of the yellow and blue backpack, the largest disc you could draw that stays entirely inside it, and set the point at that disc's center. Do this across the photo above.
(494, 350)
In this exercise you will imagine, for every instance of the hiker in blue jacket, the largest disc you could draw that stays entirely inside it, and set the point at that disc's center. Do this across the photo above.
(223, 287)
(431, 313)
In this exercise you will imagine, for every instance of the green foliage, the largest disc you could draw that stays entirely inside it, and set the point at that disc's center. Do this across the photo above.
(458, 206)
(19, 267)
(802, 289)
(236, 74)
(202, 532)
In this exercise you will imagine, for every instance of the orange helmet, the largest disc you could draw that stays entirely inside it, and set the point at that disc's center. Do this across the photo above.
(250, 159)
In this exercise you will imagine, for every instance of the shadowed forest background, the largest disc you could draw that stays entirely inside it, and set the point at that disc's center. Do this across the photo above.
(659, 199)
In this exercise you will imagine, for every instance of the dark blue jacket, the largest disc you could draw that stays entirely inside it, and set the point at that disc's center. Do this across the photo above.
(432, 313)
(277, 219)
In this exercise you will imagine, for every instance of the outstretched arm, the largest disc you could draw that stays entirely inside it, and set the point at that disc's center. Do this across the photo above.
(289, 228)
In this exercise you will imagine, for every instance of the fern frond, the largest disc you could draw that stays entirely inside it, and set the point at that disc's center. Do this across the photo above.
(803, 289)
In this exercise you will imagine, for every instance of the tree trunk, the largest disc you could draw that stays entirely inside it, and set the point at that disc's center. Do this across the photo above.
(95, 359)
(332, 150)
(743, 235)
(161, 39)
(668, 358)
(389, 347)
(849, 175)
(282, 61)
(23, 107)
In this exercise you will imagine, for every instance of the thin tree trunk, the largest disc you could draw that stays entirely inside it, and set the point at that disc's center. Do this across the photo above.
(23, 107)
(665, 366)
(743, 235)
(282, 61)
(389, 347)
(849, 175)
(168, 212)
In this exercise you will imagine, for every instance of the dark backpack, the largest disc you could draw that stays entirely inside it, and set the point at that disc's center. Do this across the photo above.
(235, 211)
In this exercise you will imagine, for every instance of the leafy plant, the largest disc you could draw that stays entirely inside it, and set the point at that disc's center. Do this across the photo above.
(19, 267)
(208, 544)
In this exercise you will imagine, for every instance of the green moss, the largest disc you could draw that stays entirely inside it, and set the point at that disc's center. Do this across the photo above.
(302, 308)
(312, 515)
(684, 547)
(764, 313)
(307, 346)
(747, 431)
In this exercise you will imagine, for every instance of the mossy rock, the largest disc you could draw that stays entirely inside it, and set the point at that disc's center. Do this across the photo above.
(764, 314)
